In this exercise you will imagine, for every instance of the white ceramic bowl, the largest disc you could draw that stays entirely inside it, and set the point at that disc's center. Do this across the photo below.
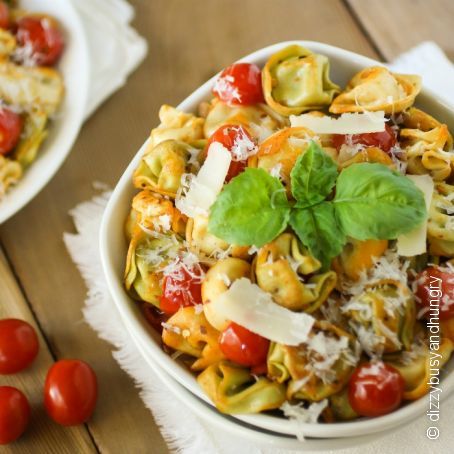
(74, 66)
(113, 252)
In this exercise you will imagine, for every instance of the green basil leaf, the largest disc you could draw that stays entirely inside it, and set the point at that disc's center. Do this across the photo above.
(313, 176)
(251, 210)
(318, 230)
(375, 202)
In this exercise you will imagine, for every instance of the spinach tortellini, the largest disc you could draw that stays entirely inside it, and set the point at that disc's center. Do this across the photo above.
(295, 80)
(318, 368)
(375, 89)
(440, 227)
(234, 390)
(287, 271)
(383, 317)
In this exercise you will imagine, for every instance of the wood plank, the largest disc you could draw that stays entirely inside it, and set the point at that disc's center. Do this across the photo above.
(189, 41)
(396, 26)
(42, 434)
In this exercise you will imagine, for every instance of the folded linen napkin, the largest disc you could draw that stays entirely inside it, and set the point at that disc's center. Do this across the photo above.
(184, 431)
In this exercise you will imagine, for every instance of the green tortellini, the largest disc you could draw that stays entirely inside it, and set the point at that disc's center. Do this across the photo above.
(440, 228)
(162, 166)
(383, 316)
(340, 406)
(280, 268)
(147, 256)
(235, 391)
(317, 368)
(33, 135)
(296, 80)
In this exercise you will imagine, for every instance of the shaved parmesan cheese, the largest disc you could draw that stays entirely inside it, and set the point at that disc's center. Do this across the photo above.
(248, 305)
(347, 123)
(201, 190)
(415, 242)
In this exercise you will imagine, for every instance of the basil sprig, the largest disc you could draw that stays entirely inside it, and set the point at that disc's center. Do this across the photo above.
(371, 202)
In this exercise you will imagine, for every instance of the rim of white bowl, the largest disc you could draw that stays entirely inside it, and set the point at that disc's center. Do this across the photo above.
(109, 242)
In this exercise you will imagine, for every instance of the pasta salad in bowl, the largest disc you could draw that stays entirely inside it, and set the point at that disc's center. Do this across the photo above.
(43, 84)
(291, 224)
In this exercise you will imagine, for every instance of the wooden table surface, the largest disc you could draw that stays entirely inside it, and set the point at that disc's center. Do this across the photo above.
(189, 41)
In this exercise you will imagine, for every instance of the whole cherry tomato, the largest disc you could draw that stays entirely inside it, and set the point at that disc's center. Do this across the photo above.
(436, 285)
(240, 144)
(181, 289)
(384, 140)
(42, 35)
(4, 15)
(243, 346)
(70, 392)
(375, 389)
(14, 414)
(240, 84)
(18, 345)
(10, 130)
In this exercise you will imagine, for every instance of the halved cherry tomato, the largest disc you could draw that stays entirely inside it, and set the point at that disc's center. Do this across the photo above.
(237, 140)
(240, 84)
(18, 345)
(70, 392)
(384, 140)
(436, 285)
(10, 130)
(243, 346)
(4, 15)
(375, 389)
(181, 289)
(14, 414)
(43, 36)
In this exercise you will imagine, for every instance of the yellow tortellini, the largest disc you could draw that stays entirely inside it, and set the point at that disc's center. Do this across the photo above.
(7, 43)
(296, 80)
(176, 125)
(153, 213)
(188, 331)
(415, 367)
(358, 256)
(375, 89)
(427, 144)
(318, 368)
(279, 152)
(235, 391)
(280, 269)
(147, 256)
(383, 317)
(440, 228)
(217, 280)
(370, 154)
(259, 120)
(32, 137)
(201, 241)
(162, 167)
(10, 173)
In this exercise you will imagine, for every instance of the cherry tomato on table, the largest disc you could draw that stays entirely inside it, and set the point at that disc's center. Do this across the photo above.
(243, 346)
(240, 84)
(238, 141)
(43, 36)
(10, 130)
(436, 284)
(18, 345)
(182, 289)
(70, 392)
(4, 15)
(14, 414)
(384, 140)
(375, 389)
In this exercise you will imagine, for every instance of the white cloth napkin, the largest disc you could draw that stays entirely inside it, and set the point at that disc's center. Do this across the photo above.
(115, 48)
(184, 431)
